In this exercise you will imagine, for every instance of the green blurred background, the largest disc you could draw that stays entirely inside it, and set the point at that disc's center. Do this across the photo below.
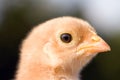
(18, 17)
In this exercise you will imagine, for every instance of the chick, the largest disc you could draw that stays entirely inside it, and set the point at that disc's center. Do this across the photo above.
(58, 50)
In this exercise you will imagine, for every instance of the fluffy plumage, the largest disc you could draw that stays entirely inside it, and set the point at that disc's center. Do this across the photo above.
(58, 50)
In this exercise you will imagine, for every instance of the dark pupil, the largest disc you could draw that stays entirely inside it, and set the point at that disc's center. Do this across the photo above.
(66, 37)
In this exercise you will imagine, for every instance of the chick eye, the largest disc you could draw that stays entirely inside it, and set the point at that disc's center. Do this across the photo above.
(66, 37)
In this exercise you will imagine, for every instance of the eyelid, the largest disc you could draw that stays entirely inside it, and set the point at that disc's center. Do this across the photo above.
(76, 38)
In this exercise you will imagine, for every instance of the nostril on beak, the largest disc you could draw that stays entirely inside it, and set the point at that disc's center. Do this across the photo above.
(95, 38)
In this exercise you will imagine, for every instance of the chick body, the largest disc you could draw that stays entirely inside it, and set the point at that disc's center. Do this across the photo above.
(46, 56)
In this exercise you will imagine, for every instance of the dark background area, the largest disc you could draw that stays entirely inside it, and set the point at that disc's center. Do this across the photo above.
(17, 18)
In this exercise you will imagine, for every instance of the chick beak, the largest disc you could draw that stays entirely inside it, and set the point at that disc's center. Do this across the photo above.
(99, 45)
(96, 45)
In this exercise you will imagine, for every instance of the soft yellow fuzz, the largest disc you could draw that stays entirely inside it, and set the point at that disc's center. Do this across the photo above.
(44, 56)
